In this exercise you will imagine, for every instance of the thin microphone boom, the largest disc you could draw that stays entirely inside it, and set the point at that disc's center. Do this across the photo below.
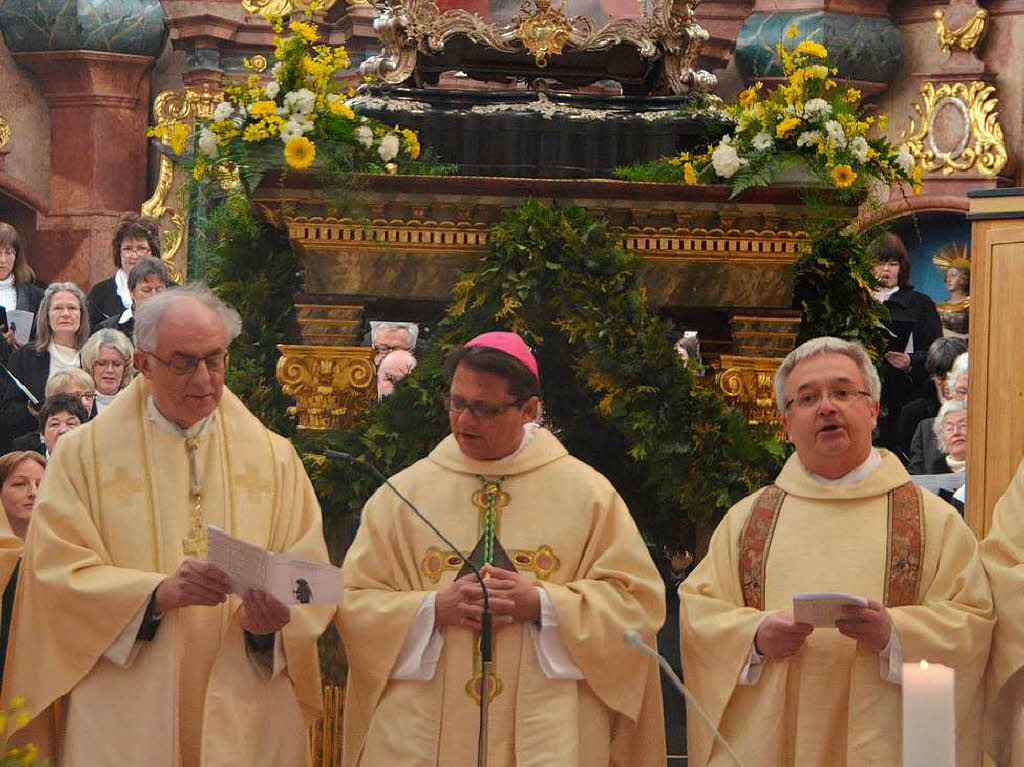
(486, 658)
(632, 638)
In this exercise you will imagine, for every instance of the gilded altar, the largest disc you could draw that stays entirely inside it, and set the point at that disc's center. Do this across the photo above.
(702, 254)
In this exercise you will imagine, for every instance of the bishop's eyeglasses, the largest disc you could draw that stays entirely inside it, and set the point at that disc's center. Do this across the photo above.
(482, 410)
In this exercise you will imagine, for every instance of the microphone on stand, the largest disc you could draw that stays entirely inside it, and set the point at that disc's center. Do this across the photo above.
(486, 645)
(632, 638)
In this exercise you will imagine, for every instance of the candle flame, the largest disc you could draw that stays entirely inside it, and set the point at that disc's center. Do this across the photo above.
(924, 665)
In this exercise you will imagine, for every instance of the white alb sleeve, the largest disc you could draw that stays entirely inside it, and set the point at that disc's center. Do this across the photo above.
(552, 654)
(890, 659)
(121, 652)
(750, 674)
(421, 649)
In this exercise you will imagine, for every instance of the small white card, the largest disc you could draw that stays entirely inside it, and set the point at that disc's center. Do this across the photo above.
(823, 609)
(288, 579)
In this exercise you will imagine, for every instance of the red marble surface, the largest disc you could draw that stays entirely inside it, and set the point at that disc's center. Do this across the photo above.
(99, 111)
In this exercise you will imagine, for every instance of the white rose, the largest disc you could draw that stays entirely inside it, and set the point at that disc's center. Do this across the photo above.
(223, 111)
(836, 135)
(817, 108)
(364, 136)
(208, 143)
(290, 130)
(808, 138)
(726, 161)
(859, 147)
(389, 146)
(762, 141)
(272, 88)
(905, 160)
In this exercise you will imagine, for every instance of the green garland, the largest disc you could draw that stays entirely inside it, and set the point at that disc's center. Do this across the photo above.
(613, 388)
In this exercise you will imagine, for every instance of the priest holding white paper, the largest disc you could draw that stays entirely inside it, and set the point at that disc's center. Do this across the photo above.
(117, 609)
(841, 517)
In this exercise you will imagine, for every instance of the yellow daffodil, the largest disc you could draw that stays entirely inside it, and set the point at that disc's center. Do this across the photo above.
(786, 126)
(747, 97)
(263, 108)
(299, 152)
(411, 143)
(179, 134)
(792, 30)
(852, 96)
(689, 174)
(843, 176)
(811, 48)
(306, 31)
(341, 109)
(199, 169)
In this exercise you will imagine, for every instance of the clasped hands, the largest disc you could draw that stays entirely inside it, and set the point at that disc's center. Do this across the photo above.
(199, 583)
(779, 636)
(513, 599)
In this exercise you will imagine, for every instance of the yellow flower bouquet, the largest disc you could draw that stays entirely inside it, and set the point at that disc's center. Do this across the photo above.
(14, 756)
(297, 118)
(808, 120)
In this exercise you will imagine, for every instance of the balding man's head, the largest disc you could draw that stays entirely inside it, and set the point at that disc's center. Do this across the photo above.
(182, 337)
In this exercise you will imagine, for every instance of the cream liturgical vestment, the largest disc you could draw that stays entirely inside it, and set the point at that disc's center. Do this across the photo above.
(828, 704)
(563, 525)
(1002, 551)
(107, 528)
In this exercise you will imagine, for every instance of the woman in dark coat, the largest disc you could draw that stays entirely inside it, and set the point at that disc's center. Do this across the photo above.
(62, 328)
(136, 236)
(915, 324)
(17, 284)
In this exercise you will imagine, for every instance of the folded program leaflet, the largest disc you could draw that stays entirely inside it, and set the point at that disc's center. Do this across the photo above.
(288, 579)
(823, 609)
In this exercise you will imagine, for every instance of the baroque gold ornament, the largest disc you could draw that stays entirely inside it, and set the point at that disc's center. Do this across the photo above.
(331, 385)
(545, 31)
(667, 35)
(958, 129)
(965, 37)
(170, 107)
(5, 132)
(283, 7)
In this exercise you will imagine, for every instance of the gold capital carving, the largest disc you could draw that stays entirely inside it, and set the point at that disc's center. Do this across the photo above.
(747, 382)
(965, 37)
(978, 142)
(331, 385)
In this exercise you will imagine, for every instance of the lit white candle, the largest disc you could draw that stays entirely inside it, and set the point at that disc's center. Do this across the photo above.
(929, 715)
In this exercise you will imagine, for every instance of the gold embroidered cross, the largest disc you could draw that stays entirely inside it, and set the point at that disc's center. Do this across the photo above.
(252, 481)
(122, 486)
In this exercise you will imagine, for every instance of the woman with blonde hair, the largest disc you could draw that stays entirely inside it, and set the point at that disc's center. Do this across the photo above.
(17, 284)
(62, 328)
(107, 356)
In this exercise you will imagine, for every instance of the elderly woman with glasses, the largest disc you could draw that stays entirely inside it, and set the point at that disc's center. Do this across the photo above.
(135, 237)
(951, 431)
(17, 285)
(62, 328)
(107, 357)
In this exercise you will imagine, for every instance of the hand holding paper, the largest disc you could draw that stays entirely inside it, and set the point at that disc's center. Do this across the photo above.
(287, 579)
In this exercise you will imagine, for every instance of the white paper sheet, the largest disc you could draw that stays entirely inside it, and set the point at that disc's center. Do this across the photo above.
(22, 322)
(823, 609)
(288, 579)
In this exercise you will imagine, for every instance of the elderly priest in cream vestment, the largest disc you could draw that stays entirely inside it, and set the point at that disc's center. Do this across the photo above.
(1002, 551)
(570, 573)
(116, 608)
(841, 517)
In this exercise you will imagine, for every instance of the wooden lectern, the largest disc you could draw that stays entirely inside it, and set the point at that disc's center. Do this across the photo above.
(995, 407)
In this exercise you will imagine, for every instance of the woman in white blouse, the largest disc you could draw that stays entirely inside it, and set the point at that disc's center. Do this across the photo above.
(107, 357)
(62, 328)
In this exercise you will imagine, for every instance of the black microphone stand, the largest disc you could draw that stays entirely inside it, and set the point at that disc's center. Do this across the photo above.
(486, 646)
